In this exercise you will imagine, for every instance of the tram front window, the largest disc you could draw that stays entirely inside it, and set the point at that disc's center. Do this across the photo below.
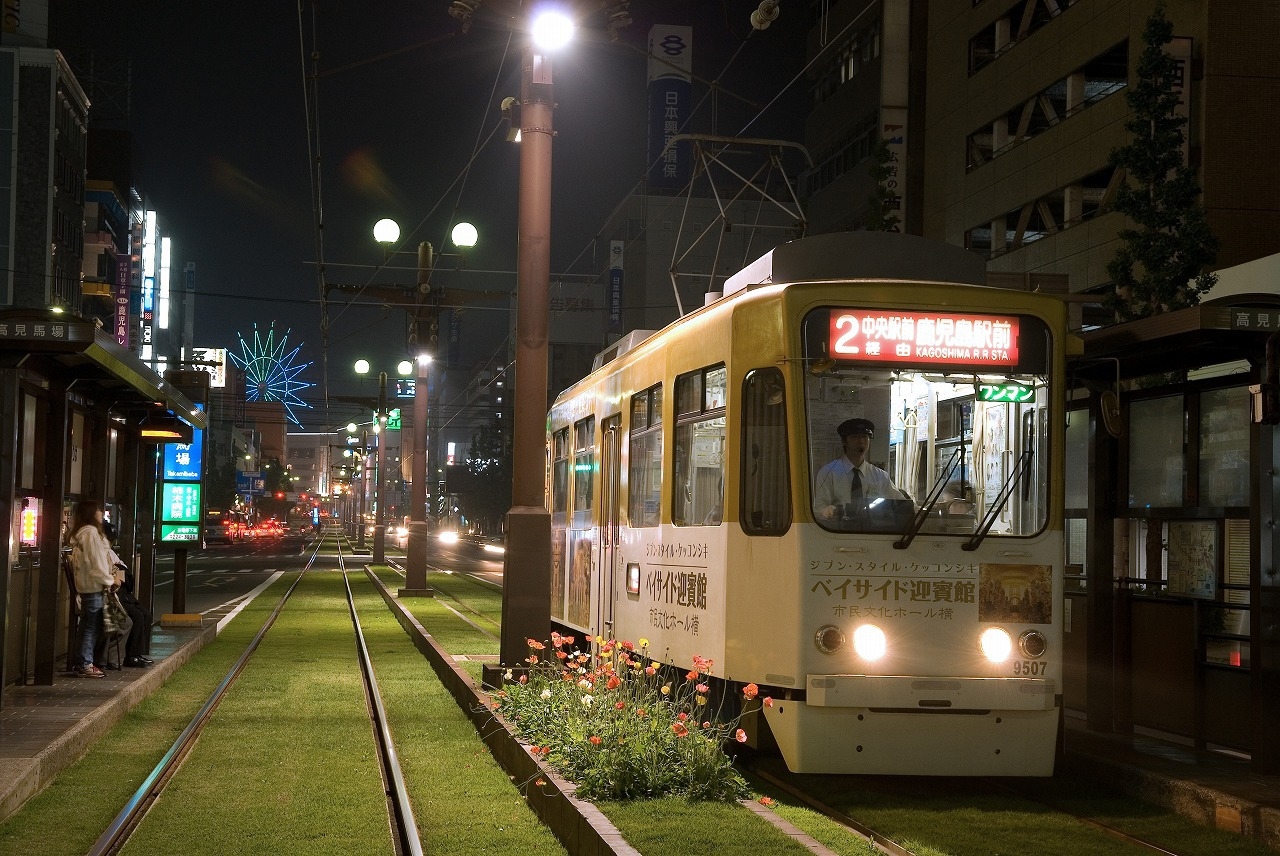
(892, 447)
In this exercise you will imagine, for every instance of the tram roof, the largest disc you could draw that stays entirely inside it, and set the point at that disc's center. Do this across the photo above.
(862, 255)
(77, 349)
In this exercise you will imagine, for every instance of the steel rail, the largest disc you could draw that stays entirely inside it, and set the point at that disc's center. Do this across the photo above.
(405, 825)
(117, 834)
(1101, 825)
(888, 845)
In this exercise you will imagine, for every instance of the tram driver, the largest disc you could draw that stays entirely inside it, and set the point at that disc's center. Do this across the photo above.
(851, 492)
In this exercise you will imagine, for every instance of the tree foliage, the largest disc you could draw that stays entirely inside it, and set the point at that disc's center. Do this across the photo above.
(880, 214)
(489, 464)
(1162, 260)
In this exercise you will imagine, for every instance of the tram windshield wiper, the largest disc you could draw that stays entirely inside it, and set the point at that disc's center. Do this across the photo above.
(935, 493)
(993, 511)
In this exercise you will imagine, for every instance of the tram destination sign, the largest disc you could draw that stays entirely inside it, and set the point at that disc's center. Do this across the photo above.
(890, 336)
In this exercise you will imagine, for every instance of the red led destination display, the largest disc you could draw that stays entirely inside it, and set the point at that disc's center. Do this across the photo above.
(890, 336)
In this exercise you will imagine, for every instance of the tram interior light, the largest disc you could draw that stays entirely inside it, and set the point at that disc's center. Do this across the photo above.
(996, 644)
(869, 642)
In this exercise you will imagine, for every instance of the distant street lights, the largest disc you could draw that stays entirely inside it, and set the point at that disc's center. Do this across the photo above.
(526, 586)
(464, 235)
(379, 468)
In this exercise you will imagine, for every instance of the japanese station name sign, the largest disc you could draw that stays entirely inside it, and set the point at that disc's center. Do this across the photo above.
(1242, 318)
(890, 336)
(181, 489)
(45, 331)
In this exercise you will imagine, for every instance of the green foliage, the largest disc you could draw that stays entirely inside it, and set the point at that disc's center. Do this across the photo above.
(618, 727)
(880, 216)
(1161, 262)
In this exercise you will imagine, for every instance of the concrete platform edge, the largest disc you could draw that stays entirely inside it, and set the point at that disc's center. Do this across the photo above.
(579, 825)
(23, 778)
(1194, 801)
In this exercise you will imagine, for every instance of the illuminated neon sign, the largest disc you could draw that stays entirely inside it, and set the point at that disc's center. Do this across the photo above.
(1008, 391)
(890, 336)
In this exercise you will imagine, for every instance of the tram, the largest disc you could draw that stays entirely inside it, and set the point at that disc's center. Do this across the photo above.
(913, 626)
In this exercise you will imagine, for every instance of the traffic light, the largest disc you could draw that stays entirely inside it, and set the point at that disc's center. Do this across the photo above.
(279, 494)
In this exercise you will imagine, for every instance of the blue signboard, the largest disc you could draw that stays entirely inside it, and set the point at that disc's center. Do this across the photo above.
(182, 460)
(251, 483)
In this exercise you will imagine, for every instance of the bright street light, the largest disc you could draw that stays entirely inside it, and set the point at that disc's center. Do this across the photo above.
(552, 30)
(362, 366)
(404, 367)
(465, 235)
(386, 231)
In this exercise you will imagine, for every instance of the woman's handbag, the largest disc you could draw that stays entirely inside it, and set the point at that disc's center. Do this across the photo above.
(115, 619)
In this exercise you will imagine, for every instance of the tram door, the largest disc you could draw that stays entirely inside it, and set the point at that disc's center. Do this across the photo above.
(610, 481)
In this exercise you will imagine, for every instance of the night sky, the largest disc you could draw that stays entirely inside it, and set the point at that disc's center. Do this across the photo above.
(404, 101)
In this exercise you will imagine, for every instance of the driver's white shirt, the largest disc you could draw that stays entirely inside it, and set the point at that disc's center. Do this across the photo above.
(834, 483)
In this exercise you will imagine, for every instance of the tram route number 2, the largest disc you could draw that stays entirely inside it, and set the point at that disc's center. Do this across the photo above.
(1029, 668)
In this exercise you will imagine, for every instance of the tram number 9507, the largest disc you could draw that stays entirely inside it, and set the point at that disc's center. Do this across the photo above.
(1030, 668)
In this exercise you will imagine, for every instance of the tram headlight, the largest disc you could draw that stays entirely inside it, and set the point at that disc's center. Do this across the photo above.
(1033, 644)
(869, 642)
(829, 639)
(996, 644)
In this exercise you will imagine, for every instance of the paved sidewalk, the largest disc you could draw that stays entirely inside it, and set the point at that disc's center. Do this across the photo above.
(45, 729)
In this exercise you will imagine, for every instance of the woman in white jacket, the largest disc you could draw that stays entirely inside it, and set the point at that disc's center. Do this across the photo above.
(91, 562)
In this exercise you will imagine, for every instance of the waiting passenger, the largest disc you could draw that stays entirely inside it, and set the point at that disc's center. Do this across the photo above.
(847, 486)
(91, 563)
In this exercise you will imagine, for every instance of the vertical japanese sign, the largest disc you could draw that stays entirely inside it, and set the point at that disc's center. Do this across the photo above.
(895, 61)
(181, 489)
(615, 286)
(670, 105)
(124, 274)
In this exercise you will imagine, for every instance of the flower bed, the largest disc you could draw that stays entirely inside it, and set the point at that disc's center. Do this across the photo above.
(620, 727)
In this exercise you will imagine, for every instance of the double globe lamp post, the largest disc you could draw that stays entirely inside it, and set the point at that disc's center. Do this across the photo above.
(387, 233)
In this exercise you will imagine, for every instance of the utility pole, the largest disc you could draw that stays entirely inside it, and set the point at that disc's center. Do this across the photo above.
(419, 530)
(379, 470)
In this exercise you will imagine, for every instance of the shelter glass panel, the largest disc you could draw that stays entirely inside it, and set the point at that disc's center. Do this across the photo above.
(1224, 447)
(1157, 464)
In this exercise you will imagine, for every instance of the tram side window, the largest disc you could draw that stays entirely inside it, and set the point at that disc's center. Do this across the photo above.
(645, 477)
(584, 457)
(698, 486)
(766, 459)
(560, 473)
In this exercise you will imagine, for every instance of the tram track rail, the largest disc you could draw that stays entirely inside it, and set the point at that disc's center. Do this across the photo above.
(403, 827)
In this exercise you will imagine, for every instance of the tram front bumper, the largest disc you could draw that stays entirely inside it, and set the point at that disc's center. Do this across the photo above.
(904, 725)
(893, 692)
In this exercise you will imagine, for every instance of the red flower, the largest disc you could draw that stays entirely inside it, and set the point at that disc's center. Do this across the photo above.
(535, 644)
(692, 676)
(556, 638)
(613, 683)
(768, 701)
(740, 736)
(524, 679)
(620, 705)
(682, 716)
(531, 659)
(679, 729)
(595, 741)
(766, 800)
(702, 688)
(568, 640)
(750, 691)
(628, 645)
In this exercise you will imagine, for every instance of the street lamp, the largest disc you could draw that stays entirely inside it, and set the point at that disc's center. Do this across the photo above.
(526, 582)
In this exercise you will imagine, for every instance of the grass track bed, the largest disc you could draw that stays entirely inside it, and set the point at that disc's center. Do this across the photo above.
(464, 802)
(69, 815)
(287, 762)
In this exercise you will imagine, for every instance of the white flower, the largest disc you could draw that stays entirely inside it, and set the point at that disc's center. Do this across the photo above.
(507, 675)
(546, 693)
(584, 684)
(586, 701)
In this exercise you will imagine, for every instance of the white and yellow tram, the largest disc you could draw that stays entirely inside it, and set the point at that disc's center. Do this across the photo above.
(917, 631)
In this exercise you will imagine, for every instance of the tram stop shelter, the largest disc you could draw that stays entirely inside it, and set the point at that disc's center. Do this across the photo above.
(1173, 599)
(72, 405)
